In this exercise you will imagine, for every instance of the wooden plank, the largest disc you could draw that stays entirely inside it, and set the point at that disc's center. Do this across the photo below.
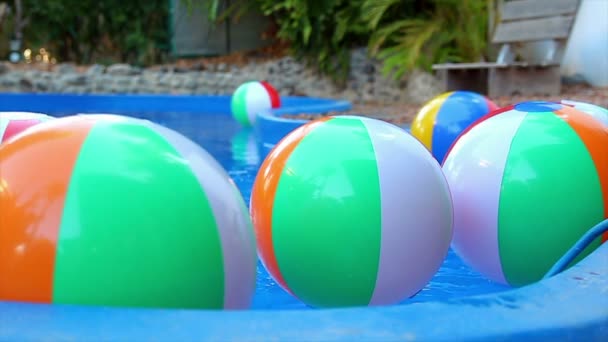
(470, 79)
(527, 9)
(533, 29)
(483, 65)
(486, 65)
(524, 81)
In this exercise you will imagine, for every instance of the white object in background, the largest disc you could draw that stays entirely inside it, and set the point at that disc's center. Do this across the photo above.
(587, 51)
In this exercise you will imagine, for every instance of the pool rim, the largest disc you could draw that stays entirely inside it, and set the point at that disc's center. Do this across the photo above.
(529, 312)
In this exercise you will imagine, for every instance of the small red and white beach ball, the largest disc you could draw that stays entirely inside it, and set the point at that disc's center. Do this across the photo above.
(12, 123)
(250, 98)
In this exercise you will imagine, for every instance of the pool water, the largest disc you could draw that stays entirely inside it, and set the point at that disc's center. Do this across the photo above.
(237, 150)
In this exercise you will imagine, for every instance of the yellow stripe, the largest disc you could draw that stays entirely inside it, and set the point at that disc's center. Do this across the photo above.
(422, 126)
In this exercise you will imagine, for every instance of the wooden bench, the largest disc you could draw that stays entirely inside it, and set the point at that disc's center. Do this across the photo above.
(520, 22)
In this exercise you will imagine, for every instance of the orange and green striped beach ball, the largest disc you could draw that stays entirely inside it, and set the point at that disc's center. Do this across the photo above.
(117, 211)
(527, 182)
(351, 211)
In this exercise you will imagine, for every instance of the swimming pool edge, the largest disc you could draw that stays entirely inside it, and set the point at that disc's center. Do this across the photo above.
(572, 305)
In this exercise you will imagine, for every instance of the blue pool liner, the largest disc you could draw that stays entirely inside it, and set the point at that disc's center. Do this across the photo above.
(571, 306)
(270, 127)
(89, 103)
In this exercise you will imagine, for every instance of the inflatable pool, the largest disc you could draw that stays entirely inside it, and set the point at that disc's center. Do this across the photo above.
(457, 304)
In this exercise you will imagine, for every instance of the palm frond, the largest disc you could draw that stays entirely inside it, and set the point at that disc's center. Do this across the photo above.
(451, 30)
(374, 10)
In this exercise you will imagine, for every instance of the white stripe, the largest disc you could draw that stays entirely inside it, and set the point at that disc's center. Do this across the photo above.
(257, 100)
(474, 170)
(416, 213)
(231, 215)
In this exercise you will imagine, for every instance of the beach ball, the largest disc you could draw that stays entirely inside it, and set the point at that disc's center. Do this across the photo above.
(599, 113)
(439, 122)
(116, 211)
(351, 211)
(12, 123)
(527, 182)
(253, 97)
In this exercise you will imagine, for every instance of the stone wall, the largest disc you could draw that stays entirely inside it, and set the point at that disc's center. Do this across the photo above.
(365, 82)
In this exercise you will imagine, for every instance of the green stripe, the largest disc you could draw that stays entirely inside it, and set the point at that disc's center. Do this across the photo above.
(137, 229)
(326, 217)
(550, 196)
(239, 104)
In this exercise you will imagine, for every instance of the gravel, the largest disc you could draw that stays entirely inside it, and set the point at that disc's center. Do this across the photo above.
(404, 113)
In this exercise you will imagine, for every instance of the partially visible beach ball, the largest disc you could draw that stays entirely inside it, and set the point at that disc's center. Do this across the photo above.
(599, 113)
(527, 181)
(116, 211)
(351, 211)
(12, 123)
(253, 97)
(441, 120)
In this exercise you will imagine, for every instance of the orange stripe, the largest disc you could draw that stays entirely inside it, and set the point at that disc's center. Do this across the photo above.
(264, 191)
(595, 138)
(34, 177)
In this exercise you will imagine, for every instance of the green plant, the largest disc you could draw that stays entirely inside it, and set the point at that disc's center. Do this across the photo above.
(6, 22)
(320, 32)
(87, 31)
(220, 10)
(317, 32)
(409, 34)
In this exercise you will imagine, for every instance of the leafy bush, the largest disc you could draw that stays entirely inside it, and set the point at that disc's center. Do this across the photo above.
(86, 31)
(5, 30)
(405, 34)
(318, 32)
(409, 34)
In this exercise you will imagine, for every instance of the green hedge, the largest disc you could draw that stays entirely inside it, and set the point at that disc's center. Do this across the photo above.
(406, 34)
(99, 31)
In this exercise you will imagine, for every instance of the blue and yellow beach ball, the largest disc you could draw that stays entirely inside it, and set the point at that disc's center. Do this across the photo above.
(441, 120)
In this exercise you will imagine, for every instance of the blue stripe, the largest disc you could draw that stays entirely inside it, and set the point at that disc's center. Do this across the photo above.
(458, 111)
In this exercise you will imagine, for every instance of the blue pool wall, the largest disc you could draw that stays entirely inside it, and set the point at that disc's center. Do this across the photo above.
(270, 127)
(572, 306)
(219, 104)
